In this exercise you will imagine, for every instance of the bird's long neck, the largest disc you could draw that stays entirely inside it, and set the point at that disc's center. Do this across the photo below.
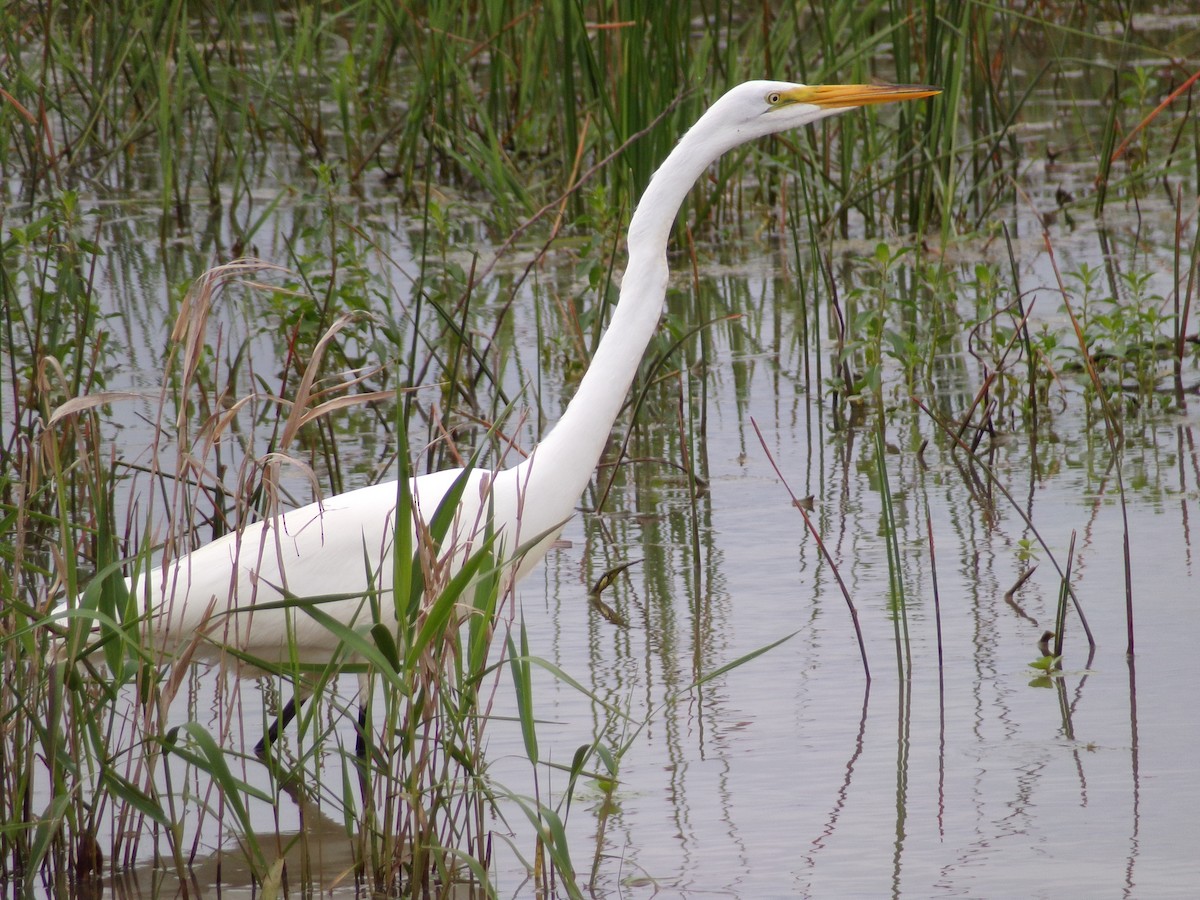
(555, 475)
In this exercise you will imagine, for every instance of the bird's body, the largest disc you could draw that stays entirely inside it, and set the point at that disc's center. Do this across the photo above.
(223, 595)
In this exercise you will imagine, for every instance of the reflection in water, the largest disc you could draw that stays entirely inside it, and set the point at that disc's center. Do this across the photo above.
(831, 822)
(318, 857)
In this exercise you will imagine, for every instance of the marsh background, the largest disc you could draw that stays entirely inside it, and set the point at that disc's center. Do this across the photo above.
(963, 327)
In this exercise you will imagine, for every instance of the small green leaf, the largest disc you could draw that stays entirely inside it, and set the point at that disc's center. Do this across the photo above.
(386, 642)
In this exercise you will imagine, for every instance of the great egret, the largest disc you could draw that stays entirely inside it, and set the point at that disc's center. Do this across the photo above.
(218, 591)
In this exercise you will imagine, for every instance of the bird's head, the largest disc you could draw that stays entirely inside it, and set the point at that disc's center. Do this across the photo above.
(751, 110)
(758, 108)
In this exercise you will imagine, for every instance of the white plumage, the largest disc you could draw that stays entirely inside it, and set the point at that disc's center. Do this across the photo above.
(342, 545)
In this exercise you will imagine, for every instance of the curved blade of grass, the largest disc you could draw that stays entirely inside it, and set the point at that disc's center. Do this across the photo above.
(553, 835)
(211, 759)
(518, 664)
(438, 617)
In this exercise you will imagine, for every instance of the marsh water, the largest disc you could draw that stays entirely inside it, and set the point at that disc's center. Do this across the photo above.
(958, 768)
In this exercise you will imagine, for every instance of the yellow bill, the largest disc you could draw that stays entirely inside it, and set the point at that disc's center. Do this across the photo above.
(834, 96)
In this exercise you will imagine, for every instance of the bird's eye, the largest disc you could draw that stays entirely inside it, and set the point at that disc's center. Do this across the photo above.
(773, 98)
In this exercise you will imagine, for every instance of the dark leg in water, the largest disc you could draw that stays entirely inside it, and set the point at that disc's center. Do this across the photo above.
(285, 717)
(360, 746)
(362, 756)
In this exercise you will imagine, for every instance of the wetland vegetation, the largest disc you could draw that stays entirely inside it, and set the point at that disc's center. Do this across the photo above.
(925, 391)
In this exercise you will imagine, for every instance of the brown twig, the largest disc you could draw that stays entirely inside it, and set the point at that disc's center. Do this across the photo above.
(802, 506)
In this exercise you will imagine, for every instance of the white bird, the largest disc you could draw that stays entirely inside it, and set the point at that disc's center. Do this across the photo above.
(218, 591)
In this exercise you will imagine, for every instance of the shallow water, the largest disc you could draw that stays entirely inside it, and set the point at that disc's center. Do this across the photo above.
(967, 779)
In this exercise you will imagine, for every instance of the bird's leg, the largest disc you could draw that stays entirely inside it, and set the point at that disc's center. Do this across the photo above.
(360, 745)
(362, 752)
(281, 722)
(362, 757)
